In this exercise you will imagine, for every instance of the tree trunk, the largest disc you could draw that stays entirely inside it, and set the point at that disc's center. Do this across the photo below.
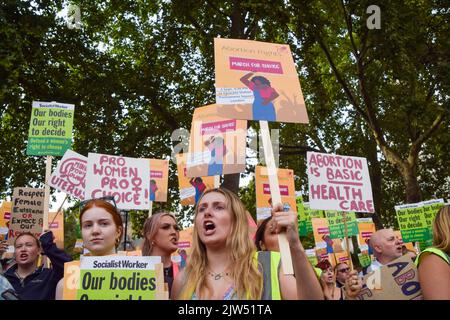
(231, 181)
(375, 178)
(413, 193)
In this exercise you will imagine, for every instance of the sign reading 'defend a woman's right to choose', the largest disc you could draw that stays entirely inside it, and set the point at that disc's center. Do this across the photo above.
(50, 132)
(339, 183)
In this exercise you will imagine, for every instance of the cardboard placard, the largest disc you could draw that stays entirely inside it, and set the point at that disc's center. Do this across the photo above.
(5, 217)
(257, 81)
(191, 188)
(217, 145)
(366, 228)
(397, 280)
(27, 212)
(50, 131)
(263, 192)
(159, 180)
(56, 225)
(127, 179)
(183, 252)
(339, 183)
(70, 175)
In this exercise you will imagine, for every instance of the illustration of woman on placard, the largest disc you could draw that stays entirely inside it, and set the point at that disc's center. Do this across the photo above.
(217, 148)
(199, 187)
(264, 94)
(153, 189)
(329, 243)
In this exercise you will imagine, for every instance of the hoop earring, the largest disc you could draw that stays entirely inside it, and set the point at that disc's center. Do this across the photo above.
(117, 241)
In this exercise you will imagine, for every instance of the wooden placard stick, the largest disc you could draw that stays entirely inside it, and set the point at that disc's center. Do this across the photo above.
(216, 181)
(150, 209)
(285, 251)
(48, 173)
(347, 247)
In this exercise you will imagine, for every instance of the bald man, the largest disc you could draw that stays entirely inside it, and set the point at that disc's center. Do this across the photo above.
(386, 248)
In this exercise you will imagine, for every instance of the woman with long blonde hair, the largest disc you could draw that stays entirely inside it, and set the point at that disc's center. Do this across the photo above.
(433, 263)
(161, 236)
(224, 265)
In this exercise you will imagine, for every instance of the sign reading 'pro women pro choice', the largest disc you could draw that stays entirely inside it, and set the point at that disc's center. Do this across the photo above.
(339, 183)
(127, 179)
(50, 132)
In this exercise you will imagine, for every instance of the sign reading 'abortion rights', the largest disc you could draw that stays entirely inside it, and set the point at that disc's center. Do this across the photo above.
(339, 183)
(127, 179)
(70, 175)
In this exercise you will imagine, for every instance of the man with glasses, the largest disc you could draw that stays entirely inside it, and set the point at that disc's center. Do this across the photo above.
(342, 272)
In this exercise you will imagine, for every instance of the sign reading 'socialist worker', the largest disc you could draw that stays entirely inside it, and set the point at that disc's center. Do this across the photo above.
(50, 132)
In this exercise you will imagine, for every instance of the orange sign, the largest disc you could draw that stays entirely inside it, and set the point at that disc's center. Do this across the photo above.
(191, 188)
(56, 225)
(263, 195)
(159, 177)
(257, 81)
(217, 144)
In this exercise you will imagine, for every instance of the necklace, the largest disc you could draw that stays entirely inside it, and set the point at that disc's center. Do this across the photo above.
(218, 276)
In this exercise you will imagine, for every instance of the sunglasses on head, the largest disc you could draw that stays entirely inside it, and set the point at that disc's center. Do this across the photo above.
(109, 199)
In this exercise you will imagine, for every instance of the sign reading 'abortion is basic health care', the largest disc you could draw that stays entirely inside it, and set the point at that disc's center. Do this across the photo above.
(339, 183)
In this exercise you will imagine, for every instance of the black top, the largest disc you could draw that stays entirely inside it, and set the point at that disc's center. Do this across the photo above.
(41, 284)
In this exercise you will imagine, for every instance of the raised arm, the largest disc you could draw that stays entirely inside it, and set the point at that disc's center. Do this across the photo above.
(308, 287)
(245, 78)
(57, 256)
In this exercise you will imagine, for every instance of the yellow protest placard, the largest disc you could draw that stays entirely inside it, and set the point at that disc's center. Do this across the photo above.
(263, 195)
(257, 81)
(191, 188)
(159, 177)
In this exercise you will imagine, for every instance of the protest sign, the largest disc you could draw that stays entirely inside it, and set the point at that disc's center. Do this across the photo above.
(191, 188)
(408, 245)
(306, 215)
(27, 212)
(127, 179)
(56, 225)
(364, 259)
(263, 194)
(5, 216)
(416, 219)
(217, 145)
(50, 131)
(120, 278)
(397, 280)
(159, 177)
(339, 183)
(341, 257)
(257, 81)
(181, 256)
(70, 175)
(366, 228)
(336, 224)
(311, 255)
(321, 233)
(430, 208)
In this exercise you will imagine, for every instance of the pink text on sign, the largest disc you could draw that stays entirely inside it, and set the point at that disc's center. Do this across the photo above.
(255, 65)
(7, 215)
(323, 231)
(156, 174)
(218, 126)
(284, 190)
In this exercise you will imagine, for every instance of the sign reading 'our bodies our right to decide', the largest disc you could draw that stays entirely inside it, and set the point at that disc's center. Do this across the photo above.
(50, 132)
(339, 183)
(120, 278)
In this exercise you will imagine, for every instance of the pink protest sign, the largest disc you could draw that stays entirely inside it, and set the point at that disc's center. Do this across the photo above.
(284, 190)
(127, 179)
(339, 183)
(70, 175)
